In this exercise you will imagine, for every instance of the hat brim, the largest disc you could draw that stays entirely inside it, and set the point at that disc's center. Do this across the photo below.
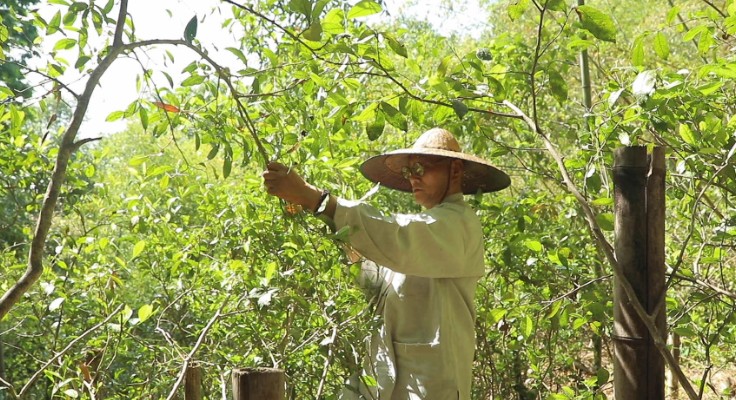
(478, 174)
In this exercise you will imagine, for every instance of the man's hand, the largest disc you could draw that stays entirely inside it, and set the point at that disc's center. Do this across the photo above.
(284, 182)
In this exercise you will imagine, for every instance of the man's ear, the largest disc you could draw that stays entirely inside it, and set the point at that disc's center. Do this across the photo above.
(457, 169)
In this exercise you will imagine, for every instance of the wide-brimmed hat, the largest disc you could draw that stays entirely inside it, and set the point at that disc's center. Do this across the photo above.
(478, 174)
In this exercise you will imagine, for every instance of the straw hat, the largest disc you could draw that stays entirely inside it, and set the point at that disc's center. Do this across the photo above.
(478, 174)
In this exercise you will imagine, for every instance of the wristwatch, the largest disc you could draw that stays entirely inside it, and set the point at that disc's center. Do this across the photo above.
(324, 199)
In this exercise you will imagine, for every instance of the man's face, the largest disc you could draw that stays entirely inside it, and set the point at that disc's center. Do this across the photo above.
(429, 178)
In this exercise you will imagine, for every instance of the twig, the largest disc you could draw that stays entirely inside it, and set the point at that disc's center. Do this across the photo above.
(82, 142)
(8, 386)
(62, 352)
(575, 290)
(189, 356)
(330, 354)
(708, 285)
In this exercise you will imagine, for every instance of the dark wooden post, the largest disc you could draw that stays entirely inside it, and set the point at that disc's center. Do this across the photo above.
(639, 245)
(193, 383)
(259, 384)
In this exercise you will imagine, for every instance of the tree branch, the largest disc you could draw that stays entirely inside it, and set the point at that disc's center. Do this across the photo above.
(46, 215)
(67, 348)
(8, 386)
(82, 142)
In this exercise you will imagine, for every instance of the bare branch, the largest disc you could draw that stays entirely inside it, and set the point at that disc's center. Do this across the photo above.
(122, 15)
(82, 142)
(713, 6)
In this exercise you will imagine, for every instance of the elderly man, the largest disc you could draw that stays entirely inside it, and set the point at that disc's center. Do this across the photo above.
(426, 265)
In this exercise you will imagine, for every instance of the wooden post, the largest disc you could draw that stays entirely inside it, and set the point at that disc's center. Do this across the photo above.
(193, 383)
(639, 245)
(259, 384)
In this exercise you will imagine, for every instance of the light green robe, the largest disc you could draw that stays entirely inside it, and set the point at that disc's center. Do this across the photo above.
(430, 264)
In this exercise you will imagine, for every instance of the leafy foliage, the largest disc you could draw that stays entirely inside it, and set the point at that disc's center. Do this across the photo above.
(167, 222)
(17, 36)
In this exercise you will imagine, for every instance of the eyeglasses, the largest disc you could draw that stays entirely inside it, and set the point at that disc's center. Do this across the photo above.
(417, 169)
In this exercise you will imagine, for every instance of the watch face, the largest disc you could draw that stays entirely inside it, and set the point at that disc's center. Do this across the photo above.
(323, 204)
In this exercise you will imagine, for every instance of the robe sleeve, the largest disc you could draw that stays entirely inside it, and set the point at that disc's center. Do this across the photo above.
(430, 244)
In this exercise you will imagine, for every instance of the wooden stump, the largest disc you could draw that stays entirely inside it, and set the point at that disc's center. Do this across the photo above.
(259, 384)
(193, 383)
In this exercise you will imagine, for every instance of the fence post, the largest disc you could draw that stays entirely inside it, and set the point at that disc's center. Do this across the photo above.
(259, 384)
(193, 383)
(639, 246)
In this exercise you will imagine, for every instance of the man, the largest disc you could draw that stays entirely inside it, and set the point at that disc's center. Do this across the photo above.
(427, 265)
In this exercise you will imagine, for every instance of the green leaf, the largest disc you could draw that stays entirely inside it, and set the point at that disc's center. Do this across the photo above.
(528, 326)
(145, 312)
(602, 376)
(684, 331)
(375, 129)
(114, 116)
(694, 32)
(398, 47)
(303, 7)
(65, 44)
(54, 24)
(227, 164)
(661, 45)
(637, 51)
(138, 248)
(81, 61)
(686, 133)
(517, 9)
(333, 22)
(497, 314)
(314, 32)
(213, 151)
(605, 221)
(598, 23)
(190, 32)
(460, 108)
(556, 5)
(108, 6)
(578, 44)
(192, 80)
(238, 53)
(69, 18)
(394, 117)
(558, 86)
(710, 88)
(533, 245)
(603, 201)
(143, 114)
(367, 114)
(364, 8)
